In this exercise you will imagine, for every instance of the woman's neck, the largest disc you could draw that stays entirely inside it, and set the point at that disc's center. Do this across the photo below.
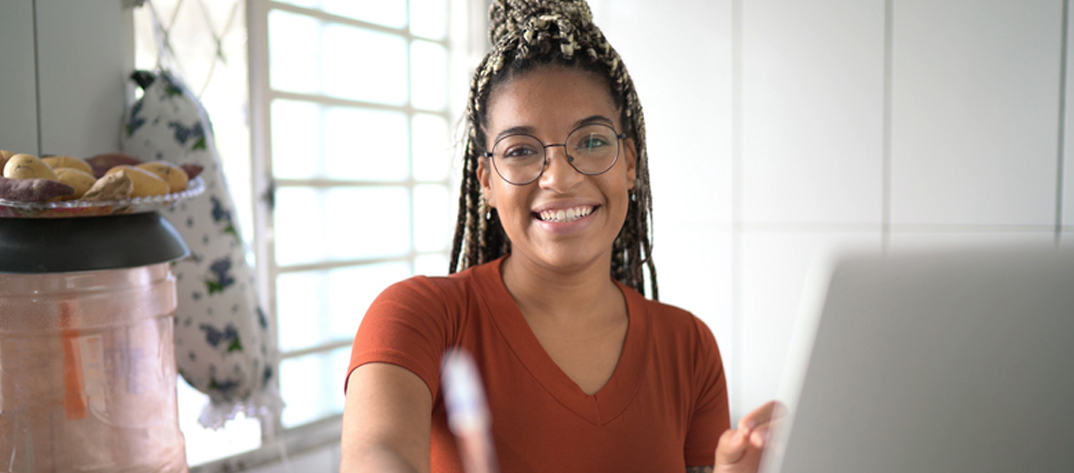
(585, 294)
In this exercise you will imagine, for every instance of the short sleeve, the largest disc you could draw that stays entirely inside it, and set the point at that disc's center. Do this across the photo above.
(711, 415)
(407, 325)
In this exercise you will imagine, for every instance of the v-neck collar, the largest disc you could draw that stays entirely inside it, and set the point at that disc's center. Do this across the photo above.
(612, 399)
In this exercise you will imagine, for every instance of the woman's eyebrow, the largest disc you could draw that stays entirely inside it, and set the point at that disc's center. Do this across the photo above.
(601, 119)
(516, 130)
(529, 130)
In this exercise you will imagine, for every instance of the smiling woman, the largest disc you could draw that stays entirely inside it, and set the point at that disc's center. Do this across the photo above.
(582, 372)
(548, 104)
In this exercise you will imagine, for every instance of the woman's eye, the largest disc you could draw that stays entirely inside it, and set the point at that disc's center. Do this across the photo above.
(519, 152)
(591, 143)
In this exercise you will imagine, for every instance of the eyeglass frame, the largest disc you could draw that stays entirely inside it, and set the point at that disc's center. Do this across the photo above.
(570, 159)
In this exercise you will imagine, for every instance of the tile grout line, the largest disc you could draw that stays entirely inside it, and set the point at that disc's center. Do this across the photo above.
(885, 218)
(1062, 123)
(37, 80)
(736, 201)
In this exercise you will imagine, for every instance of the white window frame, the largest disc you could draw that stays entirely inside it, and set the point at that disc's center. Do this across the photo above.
(465, 49)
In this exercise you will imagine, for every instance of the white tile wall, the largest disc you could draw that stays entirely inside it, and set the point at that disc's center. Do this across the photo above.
(83, 74)
(812, 111)
(1067, 192)
(774, 268)
(678, 56)
(18, 105)
(694, 271)
(975, 111)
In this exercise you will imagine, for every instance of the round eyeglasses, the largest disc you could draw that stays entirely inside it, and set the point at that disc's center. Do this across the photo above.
(521, 159)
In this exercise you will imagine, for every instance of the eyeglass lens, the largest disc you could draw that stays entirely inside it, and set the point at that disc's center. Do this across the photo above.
(591, 149)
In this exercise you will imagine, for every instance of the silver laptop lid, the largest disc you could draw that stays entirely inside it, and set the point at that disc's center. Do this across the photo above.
(957, 360)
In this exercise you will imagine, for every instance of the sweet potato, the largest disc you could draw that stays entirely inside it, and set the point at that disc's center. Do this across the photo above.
(27, 166)
(81, 181)
(192, 170)
(33, 190)
(175, 176)
(60, 162)
(145, 183)
(103, 162)
(116, 186)
(4, 155)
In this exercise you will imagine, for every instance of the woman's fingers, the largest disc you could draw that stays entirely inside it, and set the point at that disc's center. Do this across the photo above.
(732, 447)
(759, 435)
(761, 415)
(740, 450)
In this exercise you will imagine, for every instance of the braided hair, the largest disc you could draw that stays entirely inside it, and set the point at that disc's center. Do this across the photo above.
(527, 34)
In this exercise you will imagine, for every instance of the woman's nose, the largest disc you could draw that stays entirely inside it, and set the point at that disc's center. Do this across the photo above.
(559, 174)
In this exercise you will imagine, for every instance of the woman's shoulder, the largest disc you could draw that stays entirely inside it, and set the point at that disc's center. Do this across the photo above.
(663, 314)
(670, 322)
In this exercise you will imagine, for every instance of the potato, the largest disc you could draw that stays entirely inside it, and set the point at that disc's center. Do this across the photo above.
(103, 162)
(25, 166)
(145, 183)
(174, 175)
(79, 180)
(58, 162)
(33, 190)
(116, 186)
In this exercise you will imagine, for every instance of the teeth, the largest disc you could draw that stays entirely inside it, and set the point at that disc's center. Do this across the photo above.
(566, 215)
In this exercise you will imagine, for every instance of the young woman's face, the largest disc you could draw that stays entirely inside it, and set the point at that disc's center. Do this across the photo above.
(549, 103)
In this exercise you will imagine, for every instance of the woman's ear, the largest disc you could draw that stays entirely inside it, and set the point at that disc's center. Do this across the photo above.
(483, 176)
(631, 156)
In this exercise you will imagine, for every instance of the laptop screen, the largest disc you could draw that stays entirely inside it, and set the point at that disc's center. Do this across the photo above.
(956, 360)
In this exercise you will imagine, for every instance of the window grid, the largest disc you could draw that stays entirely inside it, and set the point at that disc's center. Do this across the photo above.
(263, 98)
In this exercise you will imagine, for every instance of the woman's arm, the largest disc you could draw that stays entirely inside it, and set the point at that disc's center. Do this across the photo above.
(386, 421)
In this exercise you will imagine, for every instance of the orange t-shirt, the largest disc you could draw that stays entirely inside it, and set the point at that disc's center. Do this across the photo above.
(663, 409)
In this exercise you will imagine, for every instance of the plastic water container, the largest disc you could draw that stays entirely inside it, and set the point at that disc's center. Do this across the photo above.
(87, 353)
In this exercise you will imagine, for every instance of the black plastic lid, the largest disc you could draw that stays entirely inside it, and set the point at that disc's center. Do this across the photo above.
(60, 245)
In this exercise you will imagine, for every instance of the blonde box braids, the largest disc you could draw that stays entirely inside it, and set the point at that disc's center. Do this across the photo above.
(526, 34)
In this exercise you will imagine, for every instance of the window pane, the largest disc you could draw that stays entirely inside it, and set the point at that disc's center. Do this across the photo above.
(428, 18)
(361, 64)
(292, 38)
(432, 264)
(316, 225)
(298, 225)
(317, 307)
(312, 386)
(368, 222)
(204, 445)
(433, 218)
(390, 13)
(428, 62)
(296, 140)
(432, 152)
(366, 144)
(300, 301)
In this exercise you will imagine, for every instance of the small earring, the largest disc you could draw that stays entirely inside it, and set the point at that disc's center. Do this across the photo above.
(488, 215)
(633, 196)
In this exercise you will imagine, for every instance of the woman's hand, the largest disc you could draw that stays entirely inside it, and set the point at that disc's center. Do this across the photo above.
(739, 450)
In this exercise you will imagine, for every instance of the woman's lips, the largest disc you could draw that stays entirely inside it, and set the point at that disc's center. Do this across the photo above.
(565, 215)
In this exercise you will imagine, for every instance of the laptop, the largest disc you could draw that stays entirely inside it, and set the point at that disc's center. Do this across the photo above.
(932, 360)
